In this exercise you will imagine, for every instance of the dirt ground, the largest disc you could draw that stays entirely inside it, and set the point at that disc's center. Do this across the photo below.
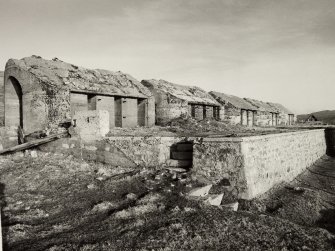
(54, 202)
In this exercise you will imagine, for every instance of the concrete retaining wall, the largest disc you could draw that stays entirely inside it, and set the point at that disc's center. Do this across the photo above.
(255, 164)
(151, 152)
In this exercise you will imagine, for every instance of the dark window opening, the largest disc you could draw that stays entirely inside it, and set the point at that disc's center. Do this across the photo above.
(204, 111)
(92, 102)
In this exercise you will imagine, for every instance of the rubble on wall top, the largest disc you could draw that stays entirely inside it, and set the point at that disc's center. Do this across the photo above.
(233, 100)
(191, 94)
(63, 75)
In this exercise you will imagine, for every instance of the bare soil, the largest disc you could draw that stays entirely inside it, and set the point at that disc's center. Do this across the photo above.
(55, 202)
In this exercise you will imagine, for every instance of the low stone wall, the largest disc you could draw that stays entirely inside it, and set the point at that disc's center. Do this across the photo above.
(252, 165)
(8, 137)
(150, 152)
(247, 166)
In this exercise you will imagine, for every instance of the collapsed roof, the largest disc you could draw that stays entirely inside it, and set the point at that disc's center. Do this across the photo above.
(61, 75)
(237, 102)
(191, 94)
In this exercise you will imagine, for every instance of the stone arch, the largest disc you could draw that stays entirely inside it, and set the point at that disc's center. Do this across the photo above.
(13, 103)
(34, 111)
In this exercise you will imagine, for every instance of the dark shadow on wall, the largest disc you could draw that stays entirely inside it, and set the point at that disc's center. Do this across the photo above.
(182, 153)
(3, 217)
(327, 220)
(330, 141)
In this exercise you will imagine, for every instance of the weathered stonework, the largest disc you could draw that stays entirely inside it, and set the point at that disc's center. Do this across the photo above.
(237, 110)
(271, 159)
(255, 164)
(173, 101)
(220, 160)
(38, 94)
(8, 137)
(2, 99)
(150, 152)
(91, 125)
(249, 112)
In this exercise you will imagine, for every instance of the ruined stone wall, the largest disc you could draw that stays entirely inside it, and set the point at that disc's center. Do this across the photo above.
(151, 152)
(2, 99)
(283, 119)
(8, 137)
(169, 107)
(199, 112)
(244, 117)
(151, 112)
(232, 114)
(264, 118)
(253, 165)
(91, 125)
(218, 160)
(34, 100)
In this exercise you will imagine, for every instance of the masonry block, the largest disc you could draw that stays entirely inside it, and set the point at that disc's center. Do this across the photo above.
(91, 125)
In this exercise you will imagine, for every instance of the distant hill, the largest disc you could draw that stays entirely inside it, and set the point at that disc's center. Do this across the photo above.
(327, 116)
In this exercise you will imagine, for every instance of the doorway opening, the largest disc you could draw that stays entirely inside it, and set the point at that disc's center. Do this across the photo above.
(13, 103)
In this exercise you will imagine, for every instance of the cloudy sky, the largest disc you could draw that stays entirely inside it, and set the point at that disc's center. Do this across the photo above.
(280, 51)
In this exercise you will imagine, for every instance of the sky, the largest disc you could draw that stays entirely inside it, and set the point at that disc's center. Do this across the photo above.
(277, 51)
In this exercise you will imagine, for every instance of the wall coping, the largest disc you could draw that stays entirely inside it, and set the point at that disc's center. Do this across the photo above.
(215, 138)
(261, 137)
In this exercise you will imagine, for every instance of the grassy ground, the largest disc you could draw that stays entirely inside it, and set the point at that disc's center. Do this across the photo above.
(58, 203)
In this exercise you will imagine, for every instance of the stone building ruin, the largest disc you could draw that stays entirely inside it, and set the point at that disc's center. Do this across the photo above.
(173, 101)
(236, 110)
(251, 112)
(267, 115)
(42, 93)
(37, 94)
(285, 116)
(2, 103)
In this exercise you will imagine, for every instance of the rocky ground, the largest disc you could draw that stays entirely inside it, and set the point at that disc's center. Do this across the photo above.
(53, 202)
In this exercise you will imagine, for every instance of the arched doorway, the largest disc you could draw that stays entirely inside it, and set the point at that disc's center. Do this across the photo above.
(13, 103)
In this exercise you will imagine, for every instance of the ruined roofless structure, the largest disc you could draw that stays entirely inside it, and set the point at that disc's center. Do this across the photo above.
(267, 115)
(173, 101)
(246, 111)
(285, 116)
(42, 93)
(236, 110)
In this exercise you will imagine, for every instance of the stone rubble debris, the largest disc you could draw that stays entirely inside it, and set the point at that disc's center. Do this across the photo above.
(215, 199)
(33, 154)
(232, 206)
(201, 191)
